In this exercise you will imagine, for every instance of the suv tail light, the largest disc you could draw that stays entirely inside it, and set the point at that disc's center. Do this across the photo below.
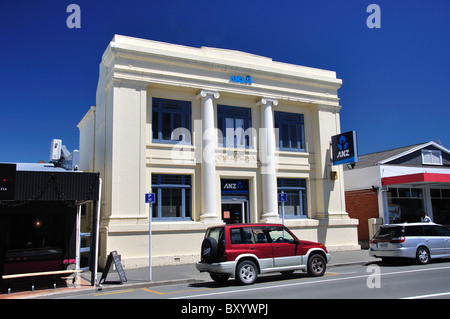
(398, 240)
(225, 255)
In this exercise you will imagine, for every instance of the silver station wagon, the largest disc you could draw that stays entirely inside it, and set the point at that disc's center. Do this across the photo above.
(419, 241)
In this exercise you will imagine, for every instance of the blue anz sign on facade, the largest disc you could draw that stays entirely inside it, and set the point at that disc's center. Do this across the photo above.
(344, 148)
(239, 79)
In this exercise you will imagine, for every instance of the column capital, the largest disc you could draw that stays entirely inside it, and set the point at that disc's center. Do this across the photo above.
(205, 93)
(267, 100)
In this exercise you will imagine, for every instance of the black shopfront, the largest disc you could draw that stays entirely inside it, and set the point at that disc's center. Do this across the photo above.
(38, 217)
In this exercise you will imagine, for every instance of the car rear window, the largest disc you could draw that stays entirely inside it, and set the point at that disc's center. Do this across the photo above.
(389, 232)
(216, 233)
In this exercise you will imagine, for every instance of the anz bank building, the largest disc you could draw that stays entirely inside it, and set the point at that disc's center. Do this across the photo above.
(216, 135)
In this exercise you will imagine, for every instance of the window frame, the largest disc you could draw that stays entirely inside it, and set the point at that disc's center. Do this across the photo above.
(225, 112)
(429, 155)
(301, 190)
(186, 203)
(160, 106)
(290, 120)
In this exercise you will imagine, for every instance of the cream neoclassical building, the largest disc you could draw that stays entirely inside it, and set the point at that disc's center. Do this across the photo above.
(216, 135)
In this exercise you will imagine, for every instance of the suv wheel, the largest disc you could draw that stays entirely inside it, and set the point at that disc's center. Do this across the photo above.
(316, 265)
(246, 272)
(422, 255)
(210, 249)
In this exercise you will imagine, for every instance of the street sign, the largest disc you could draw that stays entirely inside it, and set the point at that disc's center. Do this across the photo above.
(150, 198)
(282, 197)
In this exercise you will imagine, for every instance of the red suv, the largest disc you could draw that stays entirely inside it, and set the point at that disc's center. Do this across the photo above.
(245, 250)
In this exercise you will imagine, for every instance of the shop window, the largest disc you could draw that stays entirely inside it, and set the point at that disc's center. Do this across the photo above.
(405, 204)
(296, 206)
(234, 124)
(173, 197)
(171, 121)
(290, 131)
(440, 201)
(431, 157)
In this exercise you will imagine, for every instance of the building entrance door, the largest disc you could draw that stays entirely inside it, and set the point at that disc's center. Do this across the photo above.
(235, 211)
(235, 199)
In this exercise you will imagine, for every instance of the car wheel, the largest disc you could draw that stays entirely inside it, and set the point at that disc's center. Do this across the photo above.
(422, 255)
(246, 272)
(220, 278)
(210, 249)
(316, 265)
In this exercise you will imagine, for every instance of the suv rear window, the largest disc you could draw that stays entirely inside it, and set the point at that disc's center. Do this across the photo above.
(389, 232)
(216, 233)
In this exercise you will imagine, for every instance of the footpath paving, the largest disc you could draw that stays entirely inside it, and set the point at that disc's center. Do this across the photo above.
(163, 275)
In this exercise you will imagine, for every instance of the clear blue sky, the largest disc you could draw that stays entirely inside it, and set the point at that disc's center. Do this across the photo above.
(396, 79)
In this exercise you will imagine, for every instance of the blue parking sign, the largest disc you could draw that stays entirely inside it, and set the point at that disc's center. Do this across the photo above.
(282, 197)
(150, 198)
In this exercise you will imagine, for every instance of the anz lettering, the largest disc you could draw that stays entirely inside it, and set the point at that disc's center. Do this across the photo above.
(233, 186)
(343, 153)
(239, 79)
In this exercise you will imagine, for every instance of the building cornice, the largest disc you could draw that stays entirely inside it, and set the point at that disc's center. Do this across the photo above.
(146, 61)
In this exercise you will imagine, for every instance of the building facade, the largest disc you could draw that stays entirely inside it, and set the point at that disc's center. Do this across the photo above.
(399, 185)
(216, 135)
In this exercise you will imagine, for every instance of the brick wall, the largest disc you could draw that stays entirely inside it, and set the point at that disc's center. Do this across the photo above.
(362, 205)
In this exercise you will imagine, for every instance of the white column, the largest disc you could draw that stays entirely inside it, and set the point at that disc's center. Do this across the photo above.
(208, 166)
(267, 158)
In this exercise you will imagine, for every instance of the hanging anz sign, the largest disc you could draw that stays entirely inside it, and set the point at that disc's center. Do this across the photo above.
(344, 148)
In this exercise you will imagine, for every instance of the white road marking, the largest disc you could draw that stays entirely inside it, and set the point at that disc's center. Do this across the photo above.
(308, 283)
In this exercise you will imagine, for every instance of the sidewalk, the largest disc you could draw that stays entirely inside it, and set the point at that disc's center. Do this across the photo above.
(166, 275)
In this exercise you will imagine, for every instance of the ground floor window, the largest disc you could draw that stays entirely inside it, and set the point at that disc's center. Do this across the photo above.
(440, 201)
(173, 197)
(295, 188)
(405, 204)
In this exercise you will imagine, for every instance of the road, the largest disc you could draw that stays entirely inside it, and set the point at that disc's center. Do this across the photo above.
(372, 281)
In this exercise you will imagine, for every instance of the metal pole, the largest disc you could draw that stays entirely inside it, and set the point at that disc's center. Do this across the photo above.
(150, 240)
(97, 227)
(78, 237)
(282, 208)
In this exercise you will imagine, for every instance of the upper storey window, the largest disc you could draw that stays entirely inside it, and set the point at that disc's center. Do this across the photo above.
(291, 131)
(234, 124)
(171, 121)
(431, 157)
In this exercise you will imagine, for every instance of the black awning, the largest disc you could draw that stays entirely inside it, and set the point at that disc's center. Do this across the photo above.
(62, 186)
(50, 185)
